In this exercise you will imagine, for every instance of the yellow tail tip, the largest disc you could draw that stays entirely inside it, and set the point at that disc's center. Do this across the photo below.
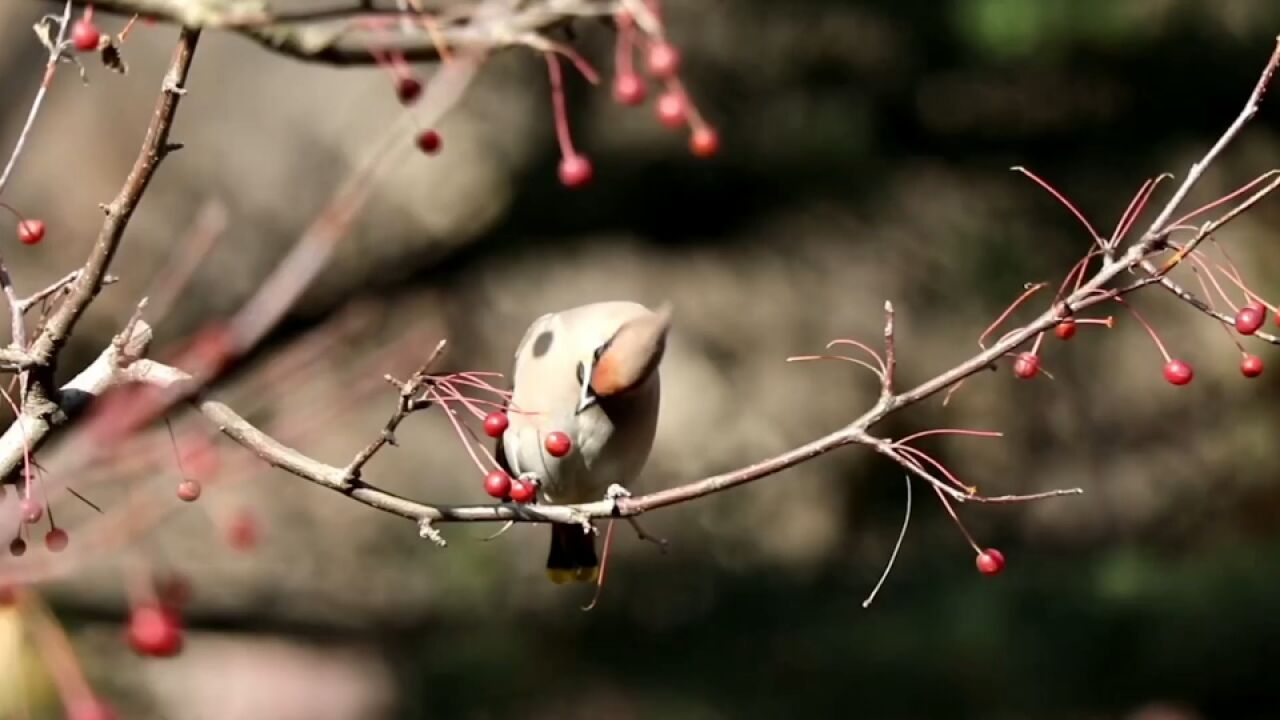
(560, 576)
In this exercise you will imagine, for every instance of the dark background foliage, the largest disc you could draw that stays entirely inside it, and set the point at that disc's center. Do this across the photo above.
(866, 148)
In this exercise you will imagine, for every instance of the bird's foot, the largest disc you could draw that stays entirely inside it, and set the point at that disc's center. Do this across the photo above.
(616, 491)
(580, 518)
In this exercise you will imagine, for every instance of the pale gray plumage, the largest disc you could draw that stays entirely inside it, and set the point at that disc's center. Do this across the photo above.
(562, 356)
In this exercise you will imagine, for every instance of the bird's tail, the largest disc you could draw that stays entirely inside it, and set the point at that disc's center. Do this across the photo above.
(572, 556)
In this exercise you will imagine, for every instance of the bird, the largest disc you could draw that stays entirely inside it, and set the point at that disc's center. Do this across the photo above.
(591, 372)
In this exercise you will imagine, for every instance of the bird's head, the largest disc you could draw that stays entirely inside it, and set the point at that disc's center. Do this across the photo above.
(623, 355)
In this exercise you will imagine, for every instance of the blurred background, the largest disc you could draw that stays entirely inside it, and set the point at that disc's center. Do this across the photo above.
(865, 156)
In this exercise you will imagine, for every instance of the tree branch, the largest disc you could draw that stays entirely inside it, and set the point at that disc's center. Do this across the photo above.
(1097, 289)
(37, 420)
(155, 146)
(345, 34)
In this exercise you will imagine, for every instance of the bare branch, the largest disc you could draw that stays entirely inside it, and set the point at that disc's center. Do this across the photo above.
(890, 353)
(1159, 227)
(51, 66)
(1086, 294)
(155, 146)
(38, 419)
(345, 34)
(404, 407)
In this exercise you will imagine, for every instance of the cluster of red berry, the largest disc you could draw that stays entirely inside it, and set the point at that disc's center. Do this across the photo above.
(673, 107)
(1248, 321)
(497, 483)
(55, 540)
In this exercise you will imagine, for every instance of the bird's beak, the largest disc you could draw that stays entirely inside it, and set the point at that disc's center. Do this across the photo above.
(586, 398)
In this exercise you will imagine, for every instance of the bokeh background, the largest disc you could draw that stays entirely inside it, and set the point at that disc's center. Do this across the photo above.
(866, 148)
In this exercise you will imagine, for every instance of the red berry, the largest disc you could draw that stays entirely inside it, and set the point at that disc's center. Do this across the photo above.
(56, 540)
(1065, 330)
(429, 142)
(990, 561)
(704, 142)
(495, 423)
(629, 89)
(155, 631)
(1249, 319)
(242, 533)
(408, 89)
(672, 110)
(188, 490)
(523, 492)
(663, 60)
(1251, 366)
(31, 510)
(90, 709)
(497, 484)
(85, 35)
(558, 444)
(1177, 372)
(1026, 365)
(18, 547)
(575, 170)
(30, 232)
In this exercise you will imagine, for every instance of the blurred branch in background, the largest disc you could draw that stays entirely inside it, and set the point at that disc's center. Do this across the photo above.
(345, 34)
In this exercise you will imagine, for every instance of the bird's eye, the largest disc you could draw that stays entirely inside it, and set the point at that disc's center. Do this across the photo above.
(581, 370)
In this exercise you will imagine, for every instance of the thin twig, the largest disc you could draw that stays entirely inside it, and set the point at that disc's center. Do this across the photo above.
(897, 545)
(155, 146)
(51, 66)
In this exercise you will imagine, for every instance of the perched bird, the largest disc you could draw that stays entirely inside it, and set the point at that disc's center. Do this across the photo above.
(590, 372)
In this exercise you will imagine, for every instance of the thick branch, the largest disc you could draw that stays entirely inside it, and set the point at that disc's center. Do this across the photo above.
(36, 421)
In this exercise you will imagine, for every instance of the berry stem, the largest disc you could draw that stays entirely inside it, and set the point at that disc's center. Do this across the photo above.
(1078, 272)
(464, 433)
(557, 105)
(26, 445)
(1147, 326)
(897, 545)
(951, 511)
(1201, 264)
(856, 361)
(950, 431)
(862, 346)
(1032, 290)
(624, 59)
(604, 565)
(1227, 198)
(1136, 206)
(1233, 274)
(128, 27)
(1062, 199)
(922, 455)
